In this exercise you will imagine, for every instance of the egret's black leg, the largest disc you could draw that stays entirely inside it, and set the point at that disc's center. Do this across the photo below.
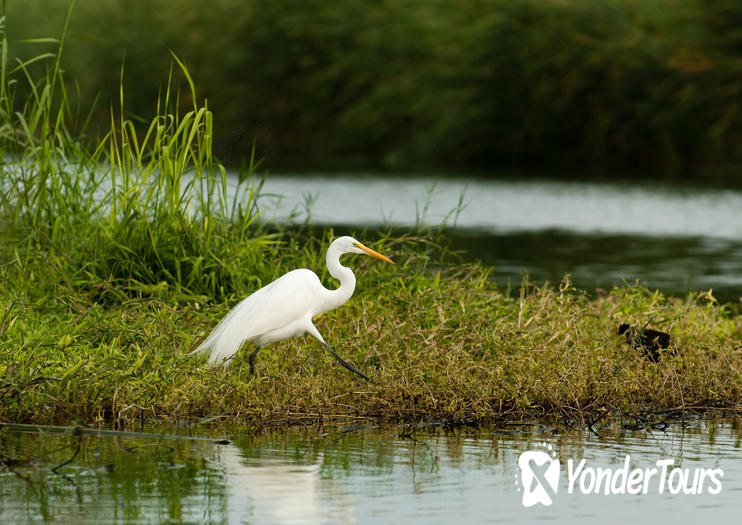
(348, 365)
(252, 359)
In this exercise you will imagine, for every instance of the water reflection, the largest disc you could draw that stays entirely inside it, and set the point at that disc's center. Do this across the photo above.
(674, 265)
(80, 479)
(268, 487)
(410, 474)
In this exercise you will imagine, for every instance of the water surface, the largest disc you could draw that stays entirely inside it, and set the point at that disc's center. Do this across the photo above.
(503, 205)
(675, 238)
(358, 474)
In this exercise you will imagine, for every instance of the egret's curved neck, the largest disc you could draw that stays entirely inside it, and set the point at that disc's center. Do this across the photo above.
(341, 273)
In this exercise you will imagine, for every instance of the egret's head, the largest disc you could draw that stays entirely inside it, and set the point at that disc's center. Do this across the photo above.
(348, 244)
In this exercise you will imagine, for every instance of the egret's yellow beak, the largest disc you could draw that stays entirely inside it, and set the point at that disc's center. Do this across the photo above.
(372, 253)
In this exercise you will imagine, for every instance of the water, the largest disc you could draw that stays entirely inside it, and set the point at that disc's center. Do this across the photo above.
(361, 475)
(674, 238)
(497, 206)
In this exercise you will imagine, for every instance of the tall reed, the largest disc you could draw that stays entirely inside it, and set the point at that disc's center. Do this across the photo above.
(147, 205)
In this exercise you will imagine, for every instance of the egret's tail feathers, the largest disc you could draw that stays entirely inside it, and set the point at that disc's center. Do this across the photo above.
(219, 357)
(224, 342)
(202, 347)
(233, 330)
(210, 344)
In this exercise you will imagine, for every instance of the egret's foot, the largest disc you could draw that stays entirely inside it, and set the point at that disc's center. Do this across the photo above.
(348, 365)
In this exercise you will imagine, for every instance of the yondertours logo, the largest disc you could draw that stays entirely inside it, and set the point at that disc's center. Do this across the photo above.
(540, 472)
(539, 476)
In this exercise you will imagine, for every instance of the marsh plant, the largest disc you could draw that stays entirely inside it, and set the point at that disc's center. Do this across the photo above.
(145, 205)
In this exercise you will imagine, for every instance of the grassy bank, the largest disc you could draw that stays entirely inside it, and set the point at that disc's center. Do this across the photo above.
(443, 346)
(118, 255)
(407, 84)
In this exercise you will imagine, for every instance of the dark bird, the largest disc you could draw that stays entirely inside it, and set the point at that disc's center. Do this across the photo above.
(649, 341)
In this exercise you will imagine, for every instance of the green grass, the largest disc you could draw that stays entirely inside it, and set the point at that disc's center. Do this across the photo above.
(441, 345)
(119, 254)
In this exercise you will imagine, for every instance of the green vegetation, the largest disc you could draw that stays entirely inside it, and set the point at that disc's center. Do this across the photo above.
(145, 208)
(401, 84)
(448, 347)
(117, 256)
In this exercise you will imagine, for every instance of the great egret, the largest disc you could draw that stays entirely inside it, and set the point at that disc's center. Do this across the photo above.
(285, 308)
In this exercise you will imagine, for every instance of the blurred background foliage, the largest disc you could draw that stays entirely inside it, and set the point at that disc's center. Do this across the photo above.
(476, 85)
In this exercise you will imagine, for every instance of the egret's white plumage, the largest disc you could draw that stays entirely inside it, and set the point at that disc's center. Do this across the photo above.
(285, 308)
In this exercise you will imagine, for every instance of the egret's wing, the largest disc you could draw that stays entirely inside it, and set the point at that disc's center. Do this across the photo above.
(277, 304)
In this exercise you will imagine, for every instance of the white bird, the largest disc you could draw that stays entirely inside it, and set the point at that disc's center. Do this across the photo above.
(285, 308)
